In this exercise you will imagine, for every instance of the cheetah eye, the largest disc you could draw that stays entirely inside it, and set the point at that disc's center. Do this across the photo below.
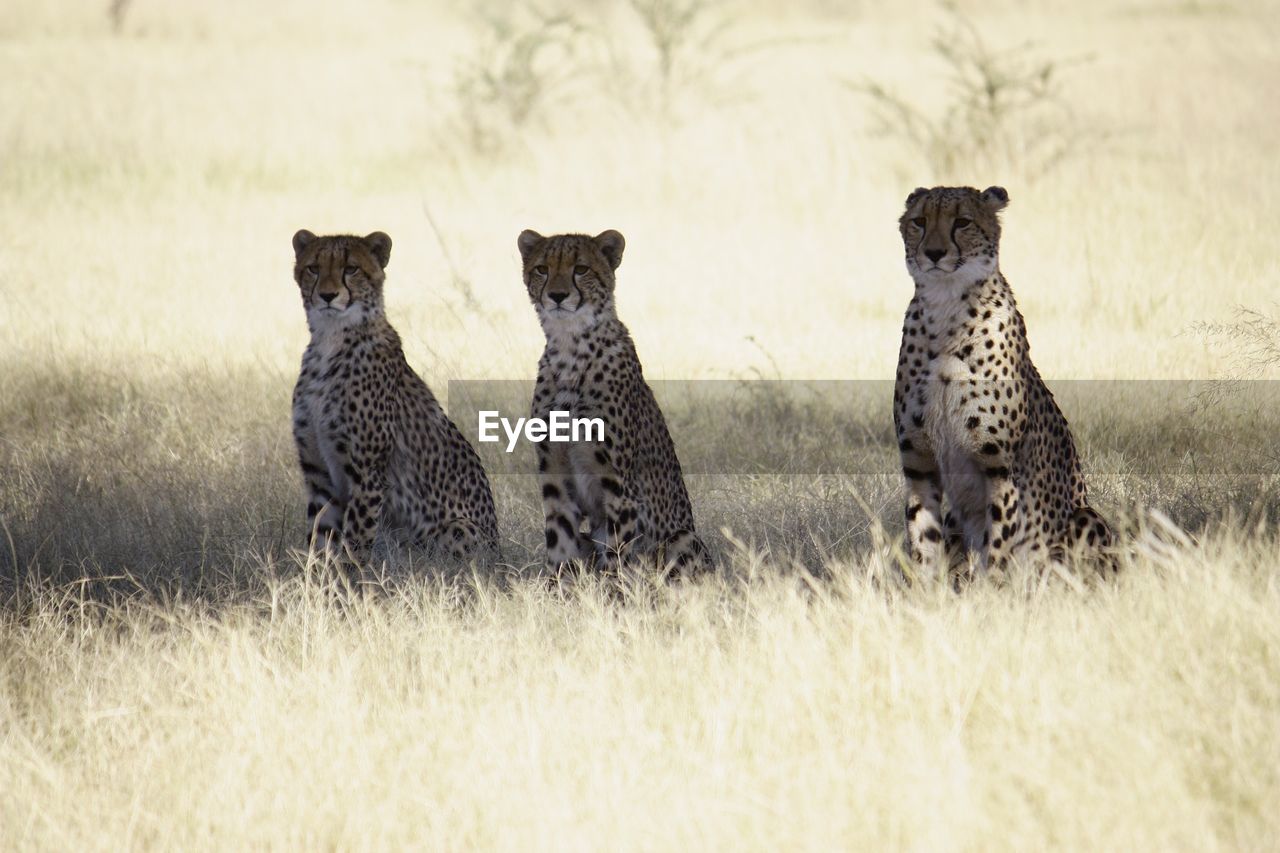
(919, 221)
(350, 270)
(311, 269)
(961, 222)
(580, 269)
(540, 269)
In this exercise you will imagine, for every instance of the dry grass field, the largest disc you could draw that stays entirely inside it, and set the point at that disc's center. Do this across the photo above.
(174, 674)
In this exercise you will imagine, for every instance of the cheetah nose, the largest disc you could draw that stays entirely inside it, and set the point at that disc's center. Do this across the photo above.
(328, 297)
(934, 255)
(558, 296)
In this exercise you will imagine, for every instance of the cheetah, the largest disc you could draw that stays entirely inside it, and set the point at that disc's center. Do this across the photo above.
(376, 449)
(628, 489)
(974, 422)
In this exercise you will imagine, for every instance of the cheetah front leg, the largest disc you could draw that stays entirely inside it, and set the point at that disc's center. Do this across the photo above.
(324, 503)
(623, 526)
(360, 521)
(560, 509)
(927, 533)
(994, 421)
(613, 507)
(925, 541)
(924, 521)
(366, 470)
(1090, 535)
(460, 538)
(324, 510)
(683, 555)
(1004, 523)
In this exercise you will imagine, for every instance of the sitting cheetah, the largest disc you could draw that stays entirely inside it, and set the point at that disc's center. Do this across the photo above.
(974, 421)
(375, 447)
(628, 489)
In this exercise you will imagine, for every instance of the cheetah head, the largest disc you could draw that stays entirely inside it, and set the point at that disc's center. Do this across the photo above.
(952, 234)
(340, 277)
(570, 276)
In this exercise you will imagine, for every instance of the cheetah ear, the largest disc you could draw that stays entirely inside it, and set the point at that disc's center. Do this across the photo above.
(528, 241)
(611, 244)
(301, 240)
(380, 244)
(915, 194)
(995, 198)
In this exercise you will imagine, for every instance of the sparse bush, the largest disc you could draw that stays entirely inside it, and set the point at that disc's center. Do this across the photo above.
(528, 61)
(1252, 339)
(1004, 106)
(695, 50)
(685, 36)
(1251, 342)
(525, 62)
(117, 12)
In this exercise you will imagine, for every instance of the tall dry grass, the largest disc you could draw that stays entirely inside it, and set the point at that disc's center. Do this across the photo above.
(772, 711)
